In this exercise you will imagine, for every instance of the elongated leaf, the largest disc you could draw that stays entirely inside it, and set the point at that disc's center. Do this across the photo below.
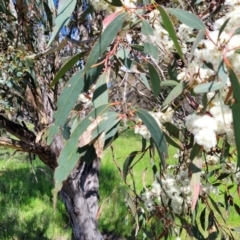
(223, 27)
(187, 18)
(49, 14)
(70, 63)
(237, 31)
(175, 93)
(195, 183)
(167, 83)
(156, 134)
(111, 135)
(209, 87)
(105, 40)
(173, 142)
(169, 27)
(155, 79)
(71, 153)
(52, 7)
(127, 163)
(210, 220)
(214, 86)
(78, 83)
(65, 10)
(196, 233)
(100, 95)
(117, 3)
(199, 37)
(144, 80)
(203, 218)
(195, 151)
(65, 102)
(149, 40)
(236, 111)
(101, 124)
(215, 205)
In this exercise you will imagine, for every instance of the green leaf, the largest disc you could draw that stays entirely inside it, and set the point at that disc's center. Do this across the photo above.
(123, 53)
(65, 10)
(202, 218)
(237, 208)
(175, 93)
(156, 134)
(144, 80)
(223, 27)
(101, 124)
(116, 3)
(71, 153)
(173, 142)
(236, 111)
(222, 176)
(105, 40)
(199, 37)
(155, 79)
(209, 87)
(236, 32)
(127, 163)
(195, 151)
(187, 18)
(49, 14)
(169, 27)
(149, 40)
(100, 95)
(210, 220)
(65, 102)
(215, 205)
(214, 86)
(137, 47)
(195, 183)
(70, 63)
(167, 83)
(111, 135)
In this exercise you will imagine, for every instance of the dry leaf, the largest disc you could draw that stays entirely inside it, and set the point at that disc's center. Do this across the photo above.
(86, 137)
(99, 145)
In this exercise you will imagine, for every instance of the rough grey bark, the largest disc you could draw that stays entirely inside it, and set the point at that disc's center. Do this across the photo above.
(80, 195)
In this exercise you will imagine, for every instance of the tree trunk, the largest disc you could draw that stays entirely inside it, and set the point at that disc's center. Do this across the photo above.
(80, 195)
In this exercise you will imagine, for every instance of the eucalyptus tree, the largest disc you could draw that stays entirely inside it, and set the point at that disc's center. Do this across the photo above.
(162, 53)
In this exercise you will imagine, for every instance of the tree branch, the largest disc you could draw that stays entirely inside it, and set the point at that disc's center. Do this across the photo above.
(17, 130)
(44, 153)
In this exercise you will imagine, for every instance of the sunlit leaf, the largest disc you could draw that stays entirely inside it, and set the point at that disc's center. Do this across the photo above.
(156, 134)
(65, 10)
(66, 102)
(187, 18)
(101, 124)
(167, 83)
(71, 153)
(149, 40)
(199, 37)
(171, 31)
(215, 85)
(100, 95)
(105, 40)
(177, 90)
(70, 63)
(195, 183)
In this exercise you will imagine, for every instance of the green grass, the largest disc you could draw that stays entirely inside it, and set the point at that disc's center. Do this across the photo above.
(26, 201)
(26, 198)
